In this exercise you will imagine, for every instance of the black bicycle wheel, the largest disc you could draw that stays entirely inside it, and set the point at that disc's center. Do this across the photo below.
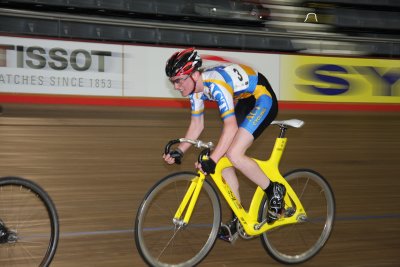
(296, 243)
(29, 223)
(163, 242)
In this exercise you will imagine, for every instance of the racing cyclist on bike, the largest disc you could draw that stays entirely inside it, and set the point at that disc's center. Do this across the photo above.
(247, 105)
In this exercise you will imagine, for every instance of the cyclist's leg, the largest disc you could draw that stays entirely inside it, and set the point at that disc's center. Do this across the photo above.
(243, 107)
(251, 115)
(230, 177)
(237, 155)
(228, 230)
(262, 113)
(259, 118)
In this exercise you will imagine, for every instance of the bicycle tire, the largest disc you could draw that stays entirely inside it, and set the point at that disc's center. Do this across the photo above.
(157, 240)
(297, 243)
(35, 229)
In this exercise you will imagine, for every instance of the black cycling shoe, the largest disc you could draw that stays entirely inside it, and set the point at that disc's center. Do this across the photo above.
(275, 194)
(228, 232)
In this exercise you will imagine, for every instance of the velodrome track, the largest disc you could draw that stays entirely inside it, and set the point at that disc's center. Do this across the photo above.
(98, 162)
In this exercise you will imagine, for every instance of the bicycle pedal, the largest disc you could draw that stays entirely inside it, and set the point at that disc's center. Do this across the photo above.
(273, 216)
(233, 238)
(288, 212)
(229, 237)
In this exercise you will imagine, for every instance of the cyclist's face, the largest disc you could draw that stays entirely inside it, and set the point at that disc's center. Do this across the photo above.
(183, 84)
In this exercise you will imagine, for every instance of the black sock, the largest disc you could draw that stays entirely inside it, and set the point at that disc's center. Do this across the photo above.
(269, 189)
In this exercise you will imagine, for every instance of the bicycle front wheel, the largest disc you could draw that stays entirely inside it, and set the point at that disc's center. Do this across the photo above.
(29, 226)
(162, 243)
(296, 243)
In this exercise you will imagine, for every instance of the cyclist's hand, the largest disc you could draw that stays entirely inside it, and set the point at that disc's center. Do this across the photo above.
(174, 156)
(168, 159)
(197, 165)
(207, 166)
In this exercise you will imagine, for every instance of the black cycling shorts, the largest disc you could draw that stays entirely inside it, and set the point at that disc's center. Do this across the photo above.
(255, 114)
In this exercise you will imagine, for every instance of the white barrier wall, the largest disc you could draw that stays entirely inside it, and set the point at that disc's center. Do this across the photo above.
(29, 65)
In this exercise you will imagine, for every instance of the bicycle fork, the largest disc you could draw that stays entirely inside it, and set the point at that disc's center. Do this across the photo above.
(189, 200)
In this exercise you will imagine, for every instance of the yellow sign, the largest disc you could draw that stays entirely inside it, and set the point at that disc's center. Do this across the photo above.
(333, 79)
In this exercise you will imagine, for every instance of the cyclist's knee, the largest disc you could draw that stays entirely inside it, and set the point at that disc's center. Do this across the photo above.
(235, 157)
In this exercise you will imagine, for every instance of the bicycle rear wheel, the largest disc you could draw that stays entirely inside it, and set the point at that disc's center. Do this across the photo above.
(296, 243)
(28, 224)
(159, 241)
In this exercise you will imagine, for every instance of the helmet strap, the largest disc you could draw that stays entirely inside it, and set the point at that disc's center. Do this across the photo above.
(194, 84)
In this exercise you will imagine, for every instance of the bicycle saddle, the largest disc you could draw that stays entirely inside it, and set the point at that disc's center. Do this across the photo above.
(292, 122)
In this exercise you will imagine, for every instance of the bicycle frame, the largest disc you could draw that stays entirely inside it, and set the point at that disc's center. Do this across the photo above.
(248, 219)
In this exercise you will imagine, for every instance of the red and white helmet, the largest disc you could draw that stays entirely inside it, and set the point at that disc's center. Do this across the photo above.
(183, 63)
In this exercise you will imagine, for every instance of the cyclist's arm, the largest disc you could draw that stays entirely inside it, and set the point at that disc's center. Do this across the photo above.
(195, 129)
(228, 133)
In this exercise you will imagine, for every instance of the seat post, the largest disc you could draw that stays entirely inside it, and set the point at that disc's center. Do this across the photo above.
(283, 131)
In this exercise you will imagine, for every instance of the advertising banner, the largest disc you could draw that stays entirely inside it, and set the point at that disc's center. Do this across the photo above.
(60, 67)
(333, 79)
(44, 67)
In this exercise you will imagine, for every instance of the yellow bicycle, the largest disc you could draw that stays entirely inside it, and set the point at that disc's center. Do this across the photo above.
(179, 218)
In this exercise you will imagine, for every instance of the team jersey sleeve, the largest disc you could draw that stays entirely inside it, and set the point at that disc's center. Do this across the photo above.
(222, 93)
(197, 104)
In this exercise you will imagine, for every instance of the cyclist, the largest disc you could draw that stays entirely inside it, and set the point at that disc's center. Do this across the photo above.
(247, 105)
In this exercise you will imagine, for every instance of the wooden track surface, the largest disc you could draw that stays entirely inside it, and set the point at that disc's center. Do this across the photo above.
(97, 163)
